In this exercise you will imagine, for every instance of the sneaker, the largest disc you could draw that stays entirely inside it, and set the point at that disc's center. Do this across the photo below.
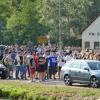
(33, 80)
(17, 78)
(40, 80)
(37, 81)
(54, 78)
(29, 81)
(43, 80)
(50, 79)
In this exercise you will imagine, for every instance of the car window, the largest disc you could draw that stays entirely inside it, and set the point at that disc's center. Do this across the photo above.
(66, 64)
(83, 65)
(75, 64)
(94, 65)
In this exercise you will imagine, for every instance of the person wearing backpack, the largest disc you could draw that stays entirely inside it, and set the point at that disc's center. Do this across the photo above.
(32, 69)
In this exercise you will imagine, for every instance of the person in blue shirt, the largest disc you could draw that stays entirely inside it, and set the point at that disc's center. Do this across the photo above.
(52, 64)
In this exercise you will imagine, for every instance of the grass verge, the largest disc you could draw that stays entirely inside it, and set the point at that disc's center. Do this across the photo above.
(19, 90)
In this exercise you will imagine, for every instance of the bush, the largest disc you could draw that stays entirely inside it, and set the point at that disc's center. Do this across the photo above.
(52, 98)
(5, 93)
(43, 98)
(0, 93)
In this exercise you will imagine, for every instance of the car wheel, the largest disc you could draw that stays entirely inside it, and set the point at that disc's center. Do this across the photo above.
(93, 82)
(4, 77)
(67, 80)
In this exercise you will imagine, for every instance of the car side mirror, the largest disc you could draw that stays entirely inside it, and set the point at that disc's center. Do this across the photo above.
(86, 69)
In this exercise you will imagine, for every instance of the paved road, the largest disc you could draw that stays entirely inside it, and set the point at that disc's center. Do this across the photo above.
(49, 82)
(54, 82)
(61, 83)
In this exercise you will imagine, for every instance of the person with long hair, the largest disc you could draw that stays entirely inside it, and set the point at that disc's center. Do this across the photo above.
(32, 69)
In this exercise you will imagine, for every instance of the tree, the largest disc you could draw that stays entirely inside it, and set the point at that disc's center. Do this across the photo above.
(24, 22)
(5, 12)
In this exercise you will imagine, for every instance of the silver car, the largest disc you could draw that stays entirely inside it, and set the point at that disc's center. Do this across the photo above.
(81, 71)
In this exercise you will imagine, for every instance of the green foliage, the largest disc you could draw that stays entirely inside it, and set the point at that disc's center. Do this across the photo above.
(53, 98)
(24, 20)
(37, 91)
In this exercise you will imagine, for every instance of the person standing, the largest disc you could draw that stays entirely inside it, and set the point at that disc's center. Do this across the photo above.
(21, 64)
(60, 59)
(42, 68)
(52, 63)
(28, 57)
(32, 69)
(25, 65)
(36, 60)
(17, 64)
(10, 65)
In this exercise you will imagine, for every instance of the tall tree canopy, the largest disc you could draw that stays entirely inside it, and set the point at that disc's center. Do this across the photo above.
(24, 20)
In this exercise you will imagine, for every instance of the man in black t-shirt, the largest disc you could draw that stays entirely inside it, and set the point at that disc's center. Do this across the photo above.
(42, 68)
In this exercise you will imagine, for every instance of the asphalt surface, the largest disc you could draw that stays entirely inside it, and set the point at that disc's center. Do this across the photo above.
(61, 83)
(48, 82)
(53, 82)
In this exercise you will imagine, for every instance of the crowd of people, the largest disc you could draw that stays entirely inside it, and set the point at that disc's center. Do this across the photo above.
(39, 62)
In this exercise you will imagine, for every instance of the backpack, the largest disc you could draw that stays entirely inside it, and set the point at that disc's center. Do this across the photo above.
(32, 63)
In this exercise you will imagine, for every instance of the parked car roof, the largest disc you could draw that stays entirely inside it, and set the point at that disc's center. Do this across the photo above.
(83, 60)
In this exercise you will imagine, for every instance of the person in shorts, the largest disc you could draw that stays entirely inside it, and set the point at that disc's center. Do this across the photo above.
(60, 64)
(52, 64)
(32, 69)
(42, 68)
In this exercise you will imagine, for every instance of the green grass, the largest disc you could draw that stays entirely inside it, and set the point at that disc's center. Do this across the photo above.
(37, 91)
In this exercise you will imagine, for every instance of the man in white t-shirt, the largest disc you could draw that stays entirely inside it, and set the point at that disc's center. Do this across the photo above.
(68, 57)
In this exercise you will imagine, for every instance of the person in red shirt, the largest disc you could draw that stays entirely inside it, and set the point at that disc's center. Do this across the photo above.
(32, 68)
(36, 60)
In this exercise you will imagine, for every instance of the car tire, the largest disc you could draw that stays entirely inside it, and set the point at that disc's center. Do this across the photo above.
(67, 80)
(4, 76)
(93, 82)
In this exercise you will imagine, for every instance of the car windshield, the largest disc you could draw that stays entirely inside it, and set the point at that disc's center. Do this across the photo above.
(94, 65)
